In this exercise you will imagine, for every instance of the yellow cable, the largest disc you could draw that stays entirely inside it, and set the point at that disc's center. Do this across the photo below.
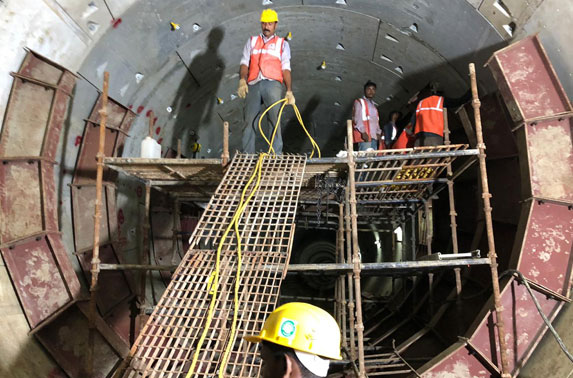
(214, 284)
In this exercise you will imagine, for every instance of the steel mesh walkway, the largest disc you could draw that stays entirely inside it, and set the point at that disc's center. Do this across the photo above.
(166, 344)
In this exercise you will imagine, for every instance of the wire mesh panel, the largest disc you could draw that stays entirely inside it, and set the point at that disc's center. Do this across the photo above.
(388, 181)
(168, 342)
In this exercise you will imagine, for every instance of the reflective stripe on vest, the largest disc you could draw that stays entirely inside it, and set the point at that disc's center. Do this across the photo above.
(266, 58)
(394, 131)
(365, 116)
(430, 115)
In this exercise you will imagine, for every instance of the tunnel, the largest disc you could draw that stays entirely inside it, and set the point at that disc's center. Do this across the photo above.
(174, 72)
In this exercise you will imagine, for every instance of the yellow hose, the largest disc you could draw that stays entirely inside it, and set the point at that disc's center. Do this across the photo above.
(214, 279)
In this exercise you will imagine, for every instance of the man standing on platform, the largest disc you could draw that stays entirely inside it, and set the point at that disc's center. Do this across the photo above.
(365, 119)
(428, 120)
(265, 67)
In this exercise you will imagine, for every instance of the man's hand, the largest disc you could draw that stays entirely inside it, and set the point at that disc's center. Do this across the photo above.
(243, 88)
(365, 137)
(290, 98)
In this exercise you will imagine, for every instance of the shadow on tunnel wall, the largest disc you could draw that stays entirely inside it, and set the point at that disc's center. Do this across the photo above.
(198, 100)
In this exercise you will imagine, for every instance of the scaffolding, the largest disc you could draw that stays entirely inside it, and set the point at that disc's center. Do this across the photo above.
(381, 188)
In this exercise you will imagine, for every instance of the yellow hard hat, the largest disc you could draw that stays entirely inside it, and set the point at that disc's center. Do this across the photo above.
(269, 15)
(302, 327)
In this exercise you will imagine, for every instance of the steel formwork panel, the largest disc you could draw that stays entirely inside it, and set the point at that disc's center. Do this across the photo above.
(497, 127)
(42, 275)
(83, 206)
(66, 340)
(122, 320)
(166, 345)
(162, 229)
(527, 326)
(118, 123)
(550, 158)
(458, 361)
(114, 286)
(545, 256)
(27, 198)
(527, 81)
(36, 109)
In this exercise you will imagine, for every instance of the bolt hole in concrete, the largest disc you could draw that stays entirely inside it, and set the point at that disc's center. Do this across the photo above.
(414, 27)
(399, 69)
(384, 57)
(510, 28)
(340, 46)
(391, 38)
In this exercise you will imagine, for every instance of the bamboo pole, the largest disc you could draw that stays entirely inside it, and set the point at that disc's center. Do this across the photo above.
(225, 156)
(97, 216)
(144, 251)
(179, 148)
(342, 287)
(429, 239)
(453, 223)
(489, 226)
(150, 131)
(349, 275)
(356, 252)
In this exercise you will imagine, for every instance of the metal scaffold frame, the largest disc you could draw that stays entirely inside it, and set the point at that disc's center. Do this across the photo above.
(390, 184)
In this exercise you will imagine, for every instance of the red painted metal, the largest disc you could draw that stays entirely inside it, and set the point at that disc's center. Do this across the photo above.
(27, 198)
(42, 276)
(113, 285)
(543, 244)
(83, 202)
(526, 328)
(188, 224)
(162, 240)
(120, 320)
(546, 249)
(550, 158)
(497, 125)
(118, 124)
(35, 130)
(65, 339)
(527, 81)
(458, 361)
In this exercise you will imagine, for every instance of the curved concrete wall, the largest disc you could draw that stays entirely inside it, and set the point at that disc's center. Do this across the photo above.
(189, 68)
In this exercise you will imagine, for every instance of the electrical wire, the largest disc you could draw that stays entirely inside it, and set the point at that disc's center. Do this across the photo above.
(213, 284)
(547, 322)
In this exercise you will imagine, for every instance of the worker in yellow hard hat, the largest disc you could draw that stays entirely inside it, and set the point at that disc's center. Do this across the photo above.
(298, 341)
(265, 67)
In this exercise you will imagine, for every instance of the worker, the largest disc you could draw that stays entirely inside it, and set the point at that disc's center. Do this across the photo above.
(405, 138)
(298, 340)
(390, 130)
(428, 120)
(265, 67)
(365, 119)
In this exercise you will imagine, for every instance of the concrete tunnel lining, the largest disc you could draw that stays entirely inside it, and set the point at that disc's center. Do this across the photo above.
(164, 71)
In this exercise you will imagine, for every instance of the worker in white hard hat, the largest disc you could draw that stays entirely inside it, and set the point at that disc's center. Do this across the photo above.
(265, 67)
(298, 341)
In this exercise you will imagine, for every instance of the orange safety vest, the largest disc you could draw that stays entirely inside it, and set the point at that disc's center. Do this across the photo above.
(266, 58)
(430, 115)
(404, 141)
(356, 135)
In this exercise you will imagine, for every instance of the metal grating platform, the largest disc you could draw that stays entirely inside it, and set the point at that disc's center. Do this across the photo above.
(392, 175)
(166, 344)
